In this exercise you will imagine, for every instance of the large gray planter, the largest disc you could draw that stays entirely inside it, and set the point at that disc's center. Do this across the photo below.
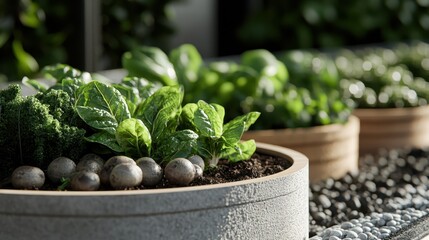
(272, 207)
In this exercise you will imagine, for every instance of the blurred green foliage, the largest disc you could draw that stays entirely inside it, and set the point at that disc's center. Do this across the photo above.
(31, 35)
(132, 23)
(36, 33)
(282, 25)
(379, 77)
(296, 89)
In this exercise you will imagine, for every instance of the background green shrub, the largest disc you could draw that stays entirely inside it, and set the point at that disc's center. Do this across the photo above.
(281, 25)
(36, 33)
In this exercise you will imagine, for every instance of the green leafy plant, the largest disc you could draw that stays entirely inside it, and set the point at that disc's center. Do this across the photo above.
(152, 63)
(296, 89)
(315, 82)
(65, 78)
(285, 25)
(37, 129)
(159, 127)
(134, 118)
(126, 25)
(380, 77)
(216, 140)
(37, 33)
(31, 36)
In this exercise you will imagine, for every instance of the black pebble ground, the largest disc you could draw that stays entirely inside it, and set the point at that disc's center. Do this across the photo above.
(387, 199)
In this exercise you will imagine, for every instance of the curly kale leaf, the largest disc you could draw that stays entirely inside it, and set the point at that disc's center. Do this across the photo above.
(61, 107)
(34, 132)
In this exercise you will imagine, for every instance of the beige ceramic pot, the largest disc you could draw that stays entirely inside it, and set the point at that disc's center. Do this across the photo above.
(333, 150)
(272, 207)
(393, 128)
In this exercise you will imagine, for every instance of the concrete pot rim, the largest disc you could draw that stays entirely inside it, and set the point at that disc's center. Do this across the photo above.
(123, 203)
(299, 161)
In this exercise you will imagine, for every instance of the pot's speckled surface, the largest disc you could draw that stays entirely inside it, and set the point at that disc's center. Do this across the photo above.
(272, 207)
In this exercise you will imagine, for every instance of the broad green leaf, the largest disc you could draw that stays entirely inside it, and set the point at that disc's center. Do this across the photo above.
(241, 151)
(266, 88)
(233, 132)
(329, 74)
(131, 95)
(4, 36)
(31, 15)
(207, 121)
(150, 63)
(37, 85)
(204, 149)
(99, 78)
(263, 61)
(106, 139)
(70, 86)
(98, 118)
(101, 106)
(26, 63)
(220, 111)
(273, 72)
(134, 138)
(248, 119)
(186, 61)
(251, 118)
(178, 144)
(166, 120)
(282, 72)
(62, 71)
(223, 67)
(144, 87)
(187, 116)
(246, 81)
(161, 111)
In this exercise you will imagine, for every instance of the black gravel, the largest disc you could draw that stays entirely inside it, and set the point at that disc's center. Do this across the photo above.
(390, 182)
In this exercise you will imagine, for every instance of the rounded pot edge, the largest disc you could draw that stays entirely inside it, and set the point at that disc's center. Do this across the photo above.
(290, 137)
(187, 198)
(386, 113)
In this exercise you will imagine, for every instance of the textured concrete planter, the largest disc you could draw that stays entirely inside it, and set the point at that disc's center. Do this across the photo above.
(332, 149)
(272, 207)
(393, 128)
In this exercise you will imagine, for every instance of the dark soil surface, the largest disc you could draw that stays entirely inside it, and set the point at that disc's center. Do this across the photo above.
(258, 166)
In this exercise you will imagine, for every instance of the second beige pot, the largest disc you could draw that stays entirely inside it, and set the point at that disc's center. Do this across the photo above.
(391, 128)
(332, 150)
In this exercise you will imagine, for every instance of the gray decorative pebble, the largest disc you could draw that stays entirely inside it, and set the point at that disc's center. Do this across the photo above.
(351, 234)
(349, 230)
(363, 236)
(391, 223)
(347, 225)
(357, 230)
(390, 193)
(387, 216)
(336, 233)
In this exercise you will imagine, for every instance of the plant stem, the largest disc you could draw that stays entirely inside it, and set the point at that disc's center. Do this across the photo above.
(214, 161)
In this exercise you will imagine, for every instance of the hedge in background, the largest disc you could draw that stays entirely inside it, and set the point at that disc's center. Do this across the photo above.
(36, 33)
(282, 25)
(32, 34)
(132, 23)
